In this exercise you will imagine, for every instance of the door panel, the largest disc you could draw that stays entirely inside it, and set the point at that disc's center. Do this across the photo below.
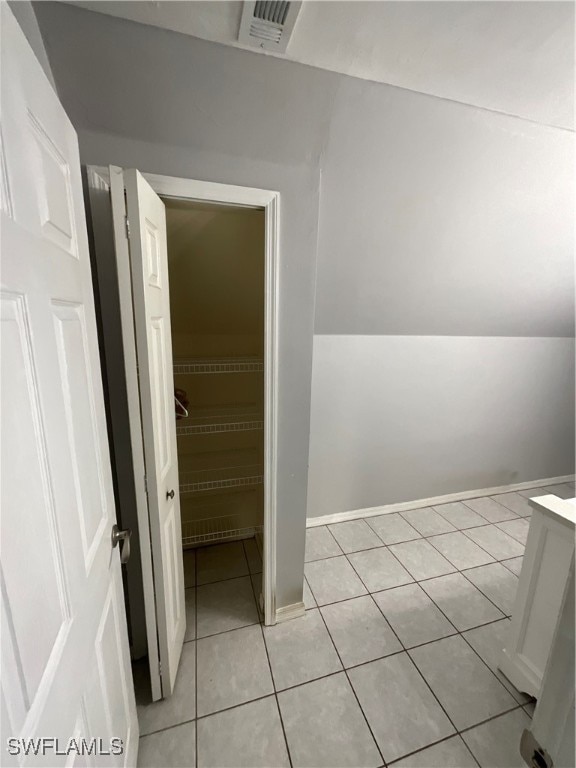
(149, 264)
(58, 571)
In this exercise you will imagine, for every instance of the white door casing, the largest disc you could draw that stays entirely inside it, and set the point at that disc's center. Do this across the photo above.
(149, 263)
(65, 657)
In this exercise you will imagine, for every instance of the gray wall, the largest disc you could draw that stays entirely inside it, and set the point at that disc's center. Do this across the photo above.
(437, 221)
(164, 103)
(445, 302)
(26, 18)
(421, 416)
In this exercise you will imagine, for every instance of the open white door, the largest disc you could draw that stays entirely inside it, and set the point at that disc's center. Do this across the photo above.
(65, 657)
(149, 265)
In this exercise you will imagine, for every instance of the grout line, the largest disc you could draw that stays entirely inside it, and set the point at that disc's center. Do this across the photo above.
(219, 581)
(492, 560)
(433, 744)
(272, 677)
(232, 629)
(484, 593)
(492, 522)
(367, 521)
(495, 525)
(489, 719)
(345, 670)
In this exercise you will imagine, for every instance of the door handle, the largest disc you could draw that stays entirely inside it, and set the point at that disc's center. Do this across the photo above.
(170, 494)
(119, 535)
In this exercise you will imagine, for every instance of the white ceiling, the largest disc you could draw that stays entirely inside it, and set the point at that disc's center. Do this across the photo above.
(514, 57)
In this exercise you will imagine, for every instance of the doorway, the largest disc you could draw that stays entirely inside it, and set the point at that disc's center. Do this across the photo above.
(216, 270)
(219, 246)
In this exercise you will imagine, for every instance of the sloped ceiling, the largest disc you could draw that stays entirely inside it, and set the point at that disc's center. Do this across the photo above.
(512, 57)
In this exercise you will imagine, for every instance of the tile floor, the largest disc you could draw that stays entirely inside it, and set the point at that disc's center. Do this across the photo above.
(395, 661)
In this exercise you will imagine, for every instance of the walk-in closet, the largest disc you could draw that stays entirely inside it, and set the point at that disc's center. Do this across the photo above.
(216, 277)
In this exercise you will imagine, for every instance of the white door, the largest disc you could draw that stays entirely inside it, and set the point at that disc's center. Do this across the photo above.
(65, 657)
(149, 262)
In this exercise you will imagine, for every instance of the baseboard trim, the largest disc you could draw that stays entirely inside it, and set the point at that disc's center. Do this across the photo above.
(288, 612)
(404, 506)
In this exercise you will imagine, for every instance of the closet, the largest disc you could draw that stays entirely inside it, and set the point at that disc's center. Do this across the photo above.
(216, 277)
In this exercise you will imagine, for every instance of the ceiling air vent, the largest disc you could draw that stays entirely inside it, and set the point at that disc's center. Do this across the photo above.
(268, 24)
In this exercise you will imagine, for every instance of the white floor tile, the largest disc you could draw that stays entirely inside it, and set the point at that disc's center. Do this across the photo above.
(393, 529)
(413, 615)
(427, 521)
(249, 736)
(460, 515)
(354, 536)
(491, 510)
(333, 580)
(190, 601)
(464, 685)
(320, 544)
(325, 727)
(379, 569)
(496, 744)
(515, 502)
(232, 669)
(421, 560)
(403, 714)
(189, 558)
(359, 631)
(175, 747)
(517, 529)
(450, 753)
(308, 597)
(496, 542)
(253, 556)
(225, 605)
(530, 493)
(514, 565)
(256, 579)
(460, 551)
(463, 604)
(497, 583)
(178, 708)
(221, 561)
(300, 650)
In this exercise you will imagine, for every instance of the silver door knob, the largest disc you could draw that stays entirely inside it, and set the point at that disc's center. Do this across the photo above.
(123, 536)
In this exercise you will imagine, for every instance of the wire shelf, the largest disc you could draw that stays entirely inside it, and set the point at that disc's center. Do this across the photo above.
(216, 420)
(219, 365)
(200, 480)
(211, 529)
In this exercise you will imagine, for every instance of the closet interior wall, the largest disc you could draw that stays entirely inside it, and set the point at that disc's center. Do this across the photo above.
(216, 274)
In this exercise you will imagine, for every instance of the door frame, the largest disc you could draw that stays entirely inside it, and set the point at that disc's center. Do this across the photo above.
(269, 201)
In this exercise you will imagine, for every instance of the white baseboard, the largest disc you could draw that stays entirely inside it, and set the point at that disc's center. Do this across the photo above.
(355, 514)
(290, 612)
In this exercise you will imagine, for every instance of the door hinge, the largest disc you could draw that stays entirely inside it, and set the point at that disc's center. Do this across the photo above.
(127, 222)
(160, 668)
(145, 485)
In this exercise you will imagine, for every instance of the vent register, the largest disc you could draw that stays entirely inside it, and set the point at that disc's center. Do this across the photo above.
(268, 24)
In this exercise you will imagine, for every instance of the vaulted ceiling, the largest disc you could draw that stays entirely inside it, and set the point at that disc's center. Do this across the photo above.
(514, 57)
